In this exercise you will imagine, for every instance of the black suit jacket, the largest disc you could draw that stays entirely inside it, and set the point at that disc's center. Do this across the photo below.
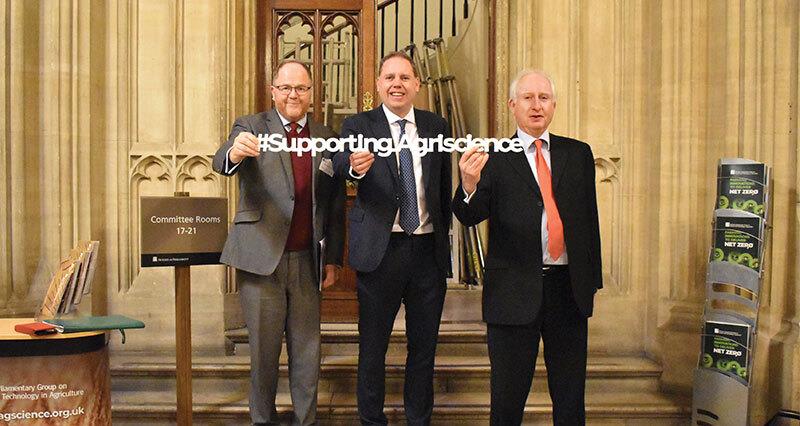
(508, 195)
(371, 218)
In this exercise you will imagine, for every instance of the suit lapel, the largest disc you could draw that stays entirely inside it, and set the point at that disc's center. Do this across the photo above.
(380, 128)
(316, 131)
(519, 163)
(424, 131)
(558, 159)
(274, 125)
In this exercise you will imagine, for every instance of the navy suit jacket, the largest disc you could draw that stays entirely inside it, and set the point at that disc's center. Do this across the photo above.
(371, 218)
(509, 197)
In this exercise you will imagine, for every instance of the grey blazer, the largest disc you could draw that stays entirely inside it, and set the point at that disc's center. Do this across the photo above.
(260, 227)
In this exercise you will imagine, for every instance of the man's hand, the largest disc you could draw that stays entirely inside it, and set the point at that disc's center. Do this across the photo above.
(361, 161)
(471, 164)
(331, 275)
(245, 145)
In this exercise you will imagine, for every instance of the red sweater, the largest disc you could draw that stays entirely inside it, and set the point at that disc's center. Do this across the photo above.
(301, 231)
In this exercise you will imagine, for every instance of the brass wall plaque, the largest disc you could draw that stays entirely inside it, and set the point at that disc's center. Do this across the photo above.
(179, 231)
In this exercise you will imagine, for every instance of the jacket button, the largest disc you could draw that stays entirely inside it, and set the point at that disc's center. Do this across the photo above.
(540, 204)
(291, 197)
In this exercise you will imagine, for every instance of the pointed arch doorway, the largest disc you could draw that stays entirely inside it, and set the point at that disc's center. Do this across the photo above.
(336, 38)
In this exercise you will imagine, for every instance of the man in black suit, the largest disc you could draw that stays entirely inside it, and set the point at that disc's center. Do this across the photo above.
(398, 241)
(543, 265)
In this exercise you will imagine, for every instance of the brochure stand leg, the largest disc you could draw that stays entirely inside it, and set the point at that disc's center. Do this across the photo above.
(183, 344)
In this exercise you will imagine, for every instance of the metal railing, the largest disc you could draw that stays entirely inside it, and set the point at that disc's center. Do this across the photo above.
(433, 21)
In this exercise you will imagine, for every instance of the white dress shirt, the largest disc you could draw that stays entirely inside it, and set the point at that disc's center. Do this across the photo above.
(530, 154)
(425, 225)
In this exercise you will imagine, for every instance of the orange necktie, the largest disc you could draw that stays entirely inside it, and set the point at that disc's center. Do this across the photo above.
(555, 229)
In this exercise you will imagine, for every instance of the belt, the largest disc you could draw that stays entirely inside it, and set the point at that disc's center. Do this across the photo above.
(549, 270)
(403, 235)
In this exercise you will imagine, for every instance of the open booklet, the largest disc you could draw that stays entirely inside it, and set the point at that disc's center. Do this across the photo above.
(71, 281)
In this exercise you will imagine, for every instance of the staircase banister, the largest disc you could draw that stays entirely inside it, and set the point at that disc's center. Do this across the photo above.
(386, 3)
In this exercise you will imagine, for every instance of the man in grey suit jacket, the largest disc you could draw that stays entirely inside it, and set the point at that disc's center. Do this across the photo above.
(287, 205)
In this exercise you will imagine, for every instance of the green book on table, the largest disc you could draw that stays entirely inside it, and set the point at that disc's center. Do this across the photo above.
(110, 322)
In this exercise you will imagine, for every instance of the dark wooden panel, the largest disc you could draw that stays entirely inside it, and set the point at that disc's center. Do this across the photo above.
(340, 302)
(318, 4)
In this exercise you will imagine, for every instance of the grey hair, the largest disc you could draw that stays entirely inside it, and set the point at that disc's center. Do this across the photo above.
(512, 88)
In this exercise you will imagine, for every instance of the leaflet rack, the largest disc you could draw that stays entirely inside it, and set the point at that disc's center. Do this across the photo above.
(733, 283)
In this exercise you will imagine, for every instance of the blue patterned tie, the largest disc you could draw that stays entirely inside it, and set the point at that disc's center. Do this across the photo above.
(409, 212)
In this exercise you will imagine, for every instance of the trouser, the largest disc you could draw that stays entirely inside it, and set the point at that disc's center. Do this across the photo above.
(407, 274)
(288, 301)
(513, 350)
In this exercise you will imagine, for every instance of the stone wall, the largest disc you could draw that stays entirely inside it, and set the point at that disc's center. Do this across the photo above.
(105, 101)
(662, 90)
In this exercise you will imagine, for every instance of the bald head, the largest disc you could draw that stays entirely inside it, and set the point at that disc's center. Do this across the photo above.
(512, 89)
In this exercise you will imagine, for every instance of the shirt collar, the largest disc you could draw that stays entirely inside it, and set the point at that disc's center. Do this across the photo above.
(301, 122)
(392, 117)
(527, 139)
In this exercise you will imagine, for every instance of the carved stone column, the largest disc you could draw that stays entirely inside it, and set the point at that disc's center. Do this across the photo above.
(46, 184)
(502, 79)
(686, 186)
(78, 152)
(588, 49)
(728, 89)
(768, 132)
(179, 80)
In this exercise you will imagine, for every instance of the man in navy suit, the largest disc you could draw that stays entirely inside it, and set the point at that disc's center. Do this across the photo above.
(398, 240)
(543, 265)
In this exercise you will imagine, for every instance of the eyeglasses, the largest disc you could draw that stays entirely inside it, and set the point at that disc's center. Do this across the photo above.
(286, 89)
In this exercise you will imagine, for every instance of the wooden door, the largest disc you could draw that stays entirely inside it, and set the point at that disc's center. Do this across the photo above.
(336, 38)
